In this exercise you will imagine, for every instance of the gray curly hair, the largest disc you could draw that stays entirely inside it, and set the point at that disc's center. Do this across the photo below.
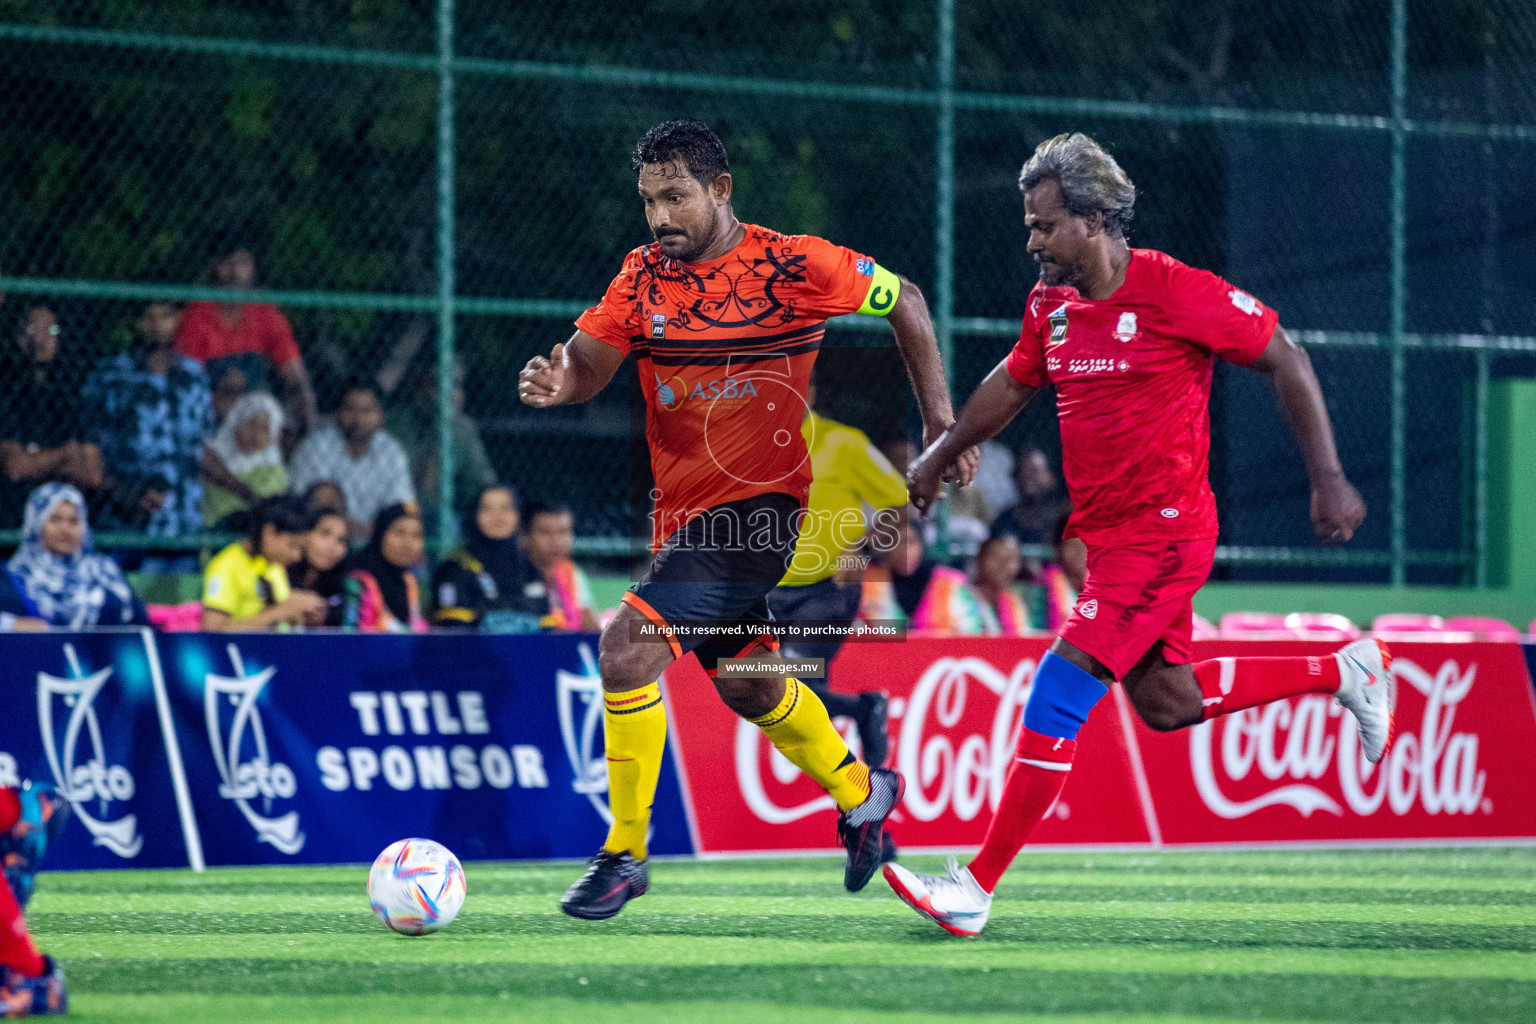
(1091, 181)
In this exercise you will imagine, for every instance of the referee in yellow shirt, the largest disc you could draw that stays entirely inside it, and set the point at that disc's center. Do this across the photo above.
(851, 479)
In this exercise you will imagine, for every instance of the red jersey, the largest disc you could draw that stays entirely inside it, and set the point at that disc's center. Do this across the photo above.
(1133, 388)
(204, 334)
(724, 350)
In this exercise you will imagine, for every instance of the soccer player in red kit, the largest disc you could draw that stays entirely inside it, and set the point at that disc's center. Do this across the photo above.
(725, 320)
(1129, 337)
(31, 983)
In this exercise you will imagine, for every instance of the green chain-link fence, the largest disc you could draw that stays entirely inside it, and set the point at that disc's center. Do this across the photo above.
(431, 194)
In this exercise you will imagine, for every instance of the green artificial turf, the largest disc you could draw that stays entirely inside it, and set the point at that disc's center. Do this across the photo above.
(1379, 935)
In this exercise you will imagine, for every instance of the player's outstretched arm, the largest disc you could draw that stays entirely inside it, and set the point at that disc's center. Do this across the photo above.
(573, 372)
(920, 353)
(994, 405)
(1337, 508)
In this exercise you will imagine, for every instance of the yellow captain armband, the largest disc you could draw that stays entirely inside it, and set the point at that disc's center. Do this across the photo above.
(884, 287)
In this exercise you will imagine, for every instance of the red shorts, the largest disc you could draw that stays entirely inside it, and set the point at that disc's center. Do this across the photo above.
(1138, 594)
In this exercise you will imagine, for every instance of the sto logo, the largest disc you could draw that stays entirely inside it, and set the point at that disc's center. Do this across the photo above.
(1089, 609)
(82, 782)
(581, 728)
(243, 781)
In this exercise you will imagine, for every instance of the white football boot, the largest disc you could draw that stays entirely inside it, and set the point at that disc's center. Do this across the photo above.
(1368, 691)
(957, 903)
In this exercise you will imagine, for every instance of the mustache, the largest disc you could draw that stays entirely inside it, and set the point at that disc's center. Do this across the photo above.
(668, 232)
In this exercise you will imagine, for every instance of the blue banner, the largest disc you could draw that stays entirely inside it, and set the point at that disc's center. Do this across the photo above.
(327, 748)
(81, 712)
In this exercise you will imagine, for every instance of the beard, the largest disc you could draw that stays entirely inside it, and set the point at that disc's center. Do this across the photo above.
(679, 247)
(1053, 275)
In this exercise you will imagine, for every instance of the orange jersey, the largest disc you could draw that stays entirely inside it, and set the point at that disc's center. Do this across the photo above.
(724, 350)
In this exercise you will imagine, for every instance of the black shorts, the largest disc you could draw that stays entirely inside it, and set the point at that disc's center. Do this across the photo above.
(707, 587)
(823, 601)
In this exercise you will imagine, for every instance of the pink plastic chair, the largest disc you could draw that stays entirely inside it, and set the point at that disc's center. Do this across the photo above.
(1322, 626)
(1204, 630)
(177, 618)
(1245, 623)
(1485, 628)
(1404, 623)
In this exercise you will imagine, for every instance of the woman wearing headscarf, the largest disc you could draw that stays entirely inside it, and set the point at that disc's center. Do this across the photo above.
(59, 571)
(248, 446)
(489, 583)
(382, 594)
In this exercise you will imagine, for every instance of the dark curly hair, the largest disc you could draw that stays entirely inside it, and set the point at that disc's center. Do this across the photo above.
(691, 142)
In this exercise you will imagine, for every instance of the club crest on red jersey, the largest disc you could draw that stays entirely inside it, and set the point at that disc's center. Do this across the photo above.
(658, 325)
(1125, 330)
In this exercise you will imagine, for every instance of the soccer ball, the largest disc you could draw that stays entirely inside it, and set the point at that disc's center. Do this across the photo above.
(416, 886)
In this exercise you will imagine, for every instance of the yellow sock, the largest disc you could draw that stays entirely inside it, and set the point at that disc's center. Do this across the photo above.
(802, 730)
(635, 733)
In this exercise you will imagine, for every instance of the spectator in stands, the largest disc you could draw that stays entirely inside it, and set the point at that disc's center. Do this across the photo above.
(150, 413)
(900, 452)
(550, 536)
(323, 568)
(1062, 579)
(42, 430)
(1030, 518)
(968, 518)
(17, 612)
(326, 496)
(382, 593)
(414, 425)
(489, 583)
(229, 384)
(906, 587)
(997, 567)
(253, 336)
(244, 460)
(360, 455)
(245, 586)
(59, 570)
(994, 476)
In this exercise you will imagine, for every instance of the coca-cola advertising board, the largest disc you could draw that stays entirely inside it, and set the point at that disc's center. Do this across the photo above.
(954, 720)
(1291, 771)
(1460, 766)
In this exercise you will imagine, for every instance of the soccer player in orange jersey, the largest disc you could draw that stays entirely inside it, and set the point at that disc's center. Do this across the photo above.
(725, 320)
(1128, 337)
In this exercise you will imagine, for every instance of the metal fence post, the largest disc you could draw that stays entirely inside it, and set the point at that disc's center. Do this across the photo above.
(1398, 284)
(1480, 472)
(446, 384)
(944, 223)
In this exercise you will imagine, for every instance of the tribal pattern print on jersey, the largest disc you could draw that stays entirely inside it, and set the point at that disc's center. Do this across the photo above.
(724, 350)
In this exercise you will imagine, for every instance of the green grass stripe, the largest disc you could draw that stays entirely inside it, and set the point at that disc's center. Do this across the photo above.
(813, 928)
(931, 948)
(822, 876)
(392, 1009)
(1433, 867)
(1048, 994)
(875, 902)
(1185, 890)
